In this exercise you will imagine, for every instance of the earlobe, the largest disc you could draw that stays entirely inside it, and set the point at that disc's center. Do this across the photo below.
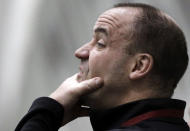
(141, 67)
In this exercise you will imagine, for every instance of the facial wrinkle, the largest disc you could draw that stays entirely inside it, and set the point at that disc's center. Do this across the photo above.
(106, 20)
(103, 22)
(111, 19)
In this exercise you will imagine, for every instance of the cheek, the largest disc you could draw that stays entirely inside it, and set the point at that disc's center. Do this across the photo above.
(103, 63)
(98, 63)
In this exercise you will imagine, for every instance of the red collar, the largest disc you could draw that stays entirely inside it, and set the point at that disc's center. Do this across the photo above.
(174, 113)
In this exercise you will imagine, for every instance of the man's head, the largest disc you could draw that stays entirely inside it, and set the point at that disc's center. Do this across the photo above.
(137, 50)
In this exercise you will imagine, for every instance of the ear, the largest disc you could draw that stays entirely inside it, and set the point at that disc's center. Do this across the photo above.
(141, 66)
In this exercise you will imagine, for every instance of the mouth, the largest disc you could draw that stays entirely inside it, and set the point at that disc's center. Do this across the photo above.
(83, 72)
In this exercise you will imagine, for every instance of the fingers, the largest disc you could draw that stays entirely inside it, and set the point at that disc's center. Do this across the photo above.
(70, 93)
(90, 85)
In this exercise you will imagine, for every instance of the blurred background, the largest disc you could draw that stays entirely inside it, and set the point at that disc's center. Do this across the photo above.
(37, 42)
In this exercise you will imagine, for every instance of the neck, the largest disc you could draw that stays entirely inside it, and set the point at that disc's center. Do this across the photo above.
(138, 95)
(128, 97)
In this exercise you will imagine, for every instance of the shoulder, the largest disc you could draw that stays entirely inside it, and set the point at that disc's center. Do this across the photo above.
(157, 125)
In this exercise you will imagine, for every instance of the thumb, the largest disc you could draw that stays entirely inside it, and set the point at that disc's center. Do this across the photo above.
(88, 86)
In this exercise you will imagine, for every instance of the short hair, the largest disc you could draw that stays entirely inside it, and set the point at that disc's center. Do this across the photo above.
(158, 35)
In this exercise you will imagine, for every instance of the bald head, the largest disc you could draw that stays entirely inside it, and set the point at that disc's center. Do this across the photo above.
(119, 21)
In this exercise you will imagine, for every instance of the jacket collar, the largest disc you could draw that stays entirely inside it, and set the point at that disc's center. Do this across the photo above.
(113, 118)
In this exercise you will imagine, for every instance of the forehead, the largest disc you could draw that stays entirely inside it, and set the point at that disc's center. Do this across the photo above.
(114, 19)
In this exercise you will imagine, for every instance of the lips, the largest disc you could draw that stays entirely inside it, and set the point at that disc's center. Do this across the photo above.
(82, 75)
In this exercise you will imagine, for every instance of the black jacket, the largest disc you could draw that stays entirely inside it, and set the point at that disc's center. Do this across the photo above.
(46, 114)
(144, 115)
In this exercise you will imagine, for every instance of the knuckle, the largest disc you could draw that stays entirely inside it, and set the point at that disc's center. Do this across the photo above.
(86, 86)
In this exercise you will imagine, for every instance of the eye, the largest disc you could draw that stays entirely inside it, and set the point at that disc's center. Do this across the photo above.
(100, 45)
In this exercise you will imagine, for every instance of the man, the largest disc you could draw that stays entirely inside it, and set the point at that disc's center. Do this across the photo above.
(127, 76)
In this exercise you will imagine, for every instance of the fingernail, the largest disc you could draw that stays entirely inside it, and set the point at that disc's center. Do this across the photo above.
(99, 82)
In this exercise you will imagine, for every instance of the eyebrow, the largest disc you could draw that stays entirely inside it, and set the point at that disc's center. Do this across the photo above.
(101, 30)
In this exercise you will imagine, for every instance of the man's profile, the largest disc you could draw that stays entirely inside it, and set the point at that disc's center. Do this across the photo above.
(128, 73)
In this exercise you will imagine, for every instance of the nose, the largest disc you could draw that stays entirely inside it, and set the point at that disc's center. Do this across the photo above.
(82, 52)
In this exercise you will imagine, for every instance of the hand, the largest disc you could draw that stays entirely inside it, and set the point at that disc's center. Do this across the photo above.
(69, 94)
